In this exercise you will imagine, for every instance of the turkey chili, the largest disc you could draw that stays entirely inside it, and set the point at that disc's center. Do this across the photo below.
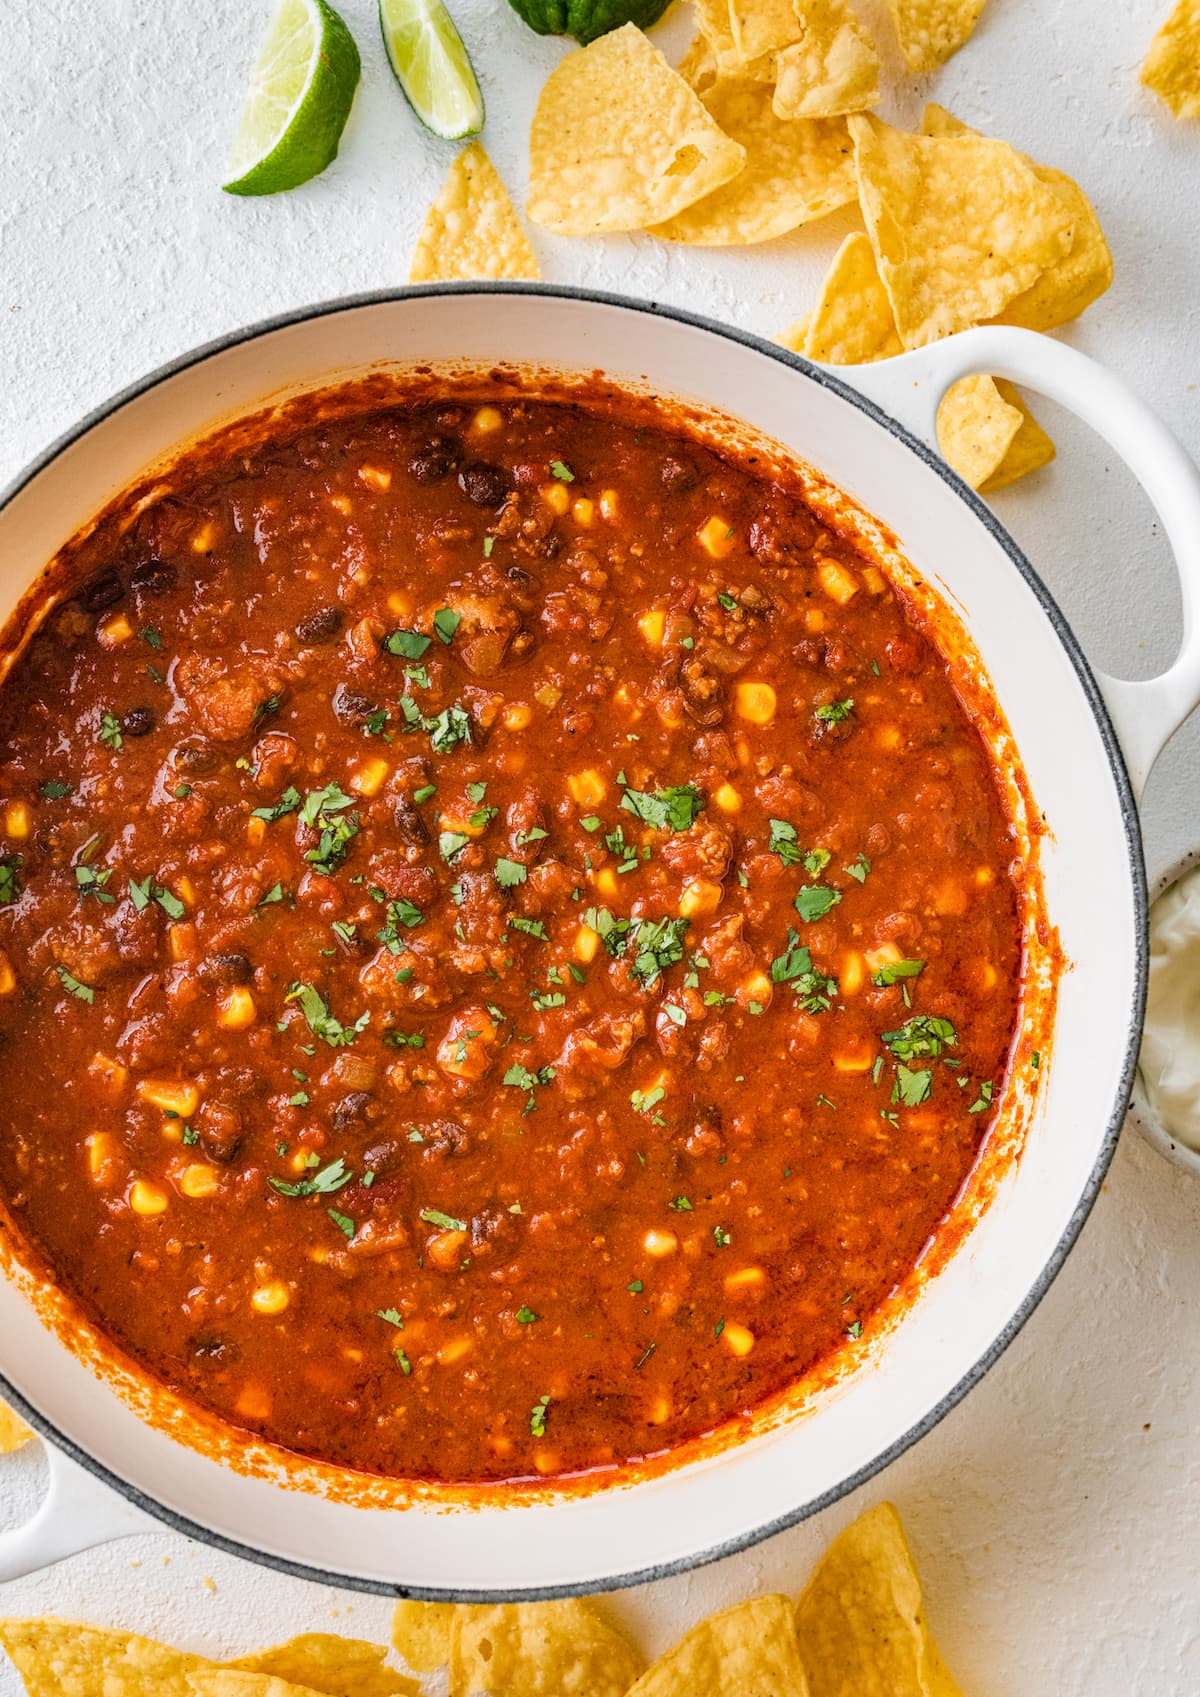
(510, 947)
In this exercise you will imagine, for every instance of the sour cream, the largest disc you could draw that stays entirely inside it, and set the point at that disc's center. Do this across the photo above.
(1170, 1062)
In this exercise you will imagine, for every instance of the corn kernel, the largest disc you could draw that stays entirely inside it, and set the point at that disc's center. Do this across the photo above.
(583, 512)
(270, 1298)
(341, 504)
(113, 632)
(547, 1461)
(146, 1198)
(400, 604)
(851, 972)
(375, 476)
(716, 537)
(838, 583)
(446, 1249)
(758, 988)
(659, 1411)
(587, 788)
(185, 889)
(181, 940)
(950, 901)
(986, 975)
(700, 897)
(652, 625)
(586, 943)
(886, 954)
(737, 1338)
(8, 978)
(204, 538)
(199, 1180)
(888, 738)
(173, 1096)
(299, 1162)
(486, 420)
(172, 1130)
(874, 579)
(983, 875)
(859, 1058)
(517, 716)
(556, 497)
(660, 1244)
(16, 819)
(608, 504)
(236, 1009)
(744, 1279)
(102, 1156)
(815, 620)
(111, 1073)
(727, 799)
(370, 777)
(547, 695)
(253, 1403)
(606, 883)
(755, 702)
(256, 831)
(454, 1349)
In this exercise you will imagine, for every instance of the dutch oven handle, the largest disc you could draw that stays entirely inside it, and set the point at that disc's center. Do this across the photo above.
(78, 1512)
(910, 387)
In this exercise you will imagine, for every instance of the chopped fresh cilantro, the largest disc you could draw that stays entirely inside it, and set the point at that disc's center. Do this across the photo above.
(813, 901)
(680, 1204)
(833, 712)
(391, 1315)
(402, 1361)
(444, 1222)
(404, 1039)
(322, 1183)
(400, 912)
(110, 732)
(54, 789)
(562, 471)
(325, 810)
(289, 802)
(141, 895)
(510, 873)
(854, 1329)
(321, 1022)
(537, 1417)
(452, 843)
(489, 542)
(728, 601)
(343, 1222)
(10, 881)
(526, 1316)
(407, 644)
(445, 622)
(274, 894)
(181, 792)
(534, 834)
(721, 1237)
(895, 971)
(644, 1100)
(84, 992)
(794, 966)
(858, 868)
(636, 1286)
(530, 927)
(90, 881)
(450, 727)
(984, 1098)
(300, 1100)
(520, 1078)
(911, 1087)
(923, 1036)
(149, 635)
(671, 809)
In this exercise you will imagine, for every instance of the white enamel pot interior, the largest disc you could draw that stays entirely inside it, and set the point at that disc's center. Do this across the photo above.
(1095, 893)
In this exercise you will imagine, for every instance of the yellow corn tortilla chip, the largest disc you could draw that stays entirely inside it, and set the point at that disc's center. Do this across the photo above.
(832, 69)
(762, 26)
(1172, 66)
(13, 1431)
(860, 1621)
(229, 1682)
(472, 229)
(975, 428)
(1073, 282)
(931, 30)
(619, 141)
(852, 322)
(747, 1651)
(714, 24)
(1030, 449)
(321, 1661)
(421, 1633)
(62, 1658)
(795, 336)
(557, 1649)
(960, 225)
(794, 172)
(698, 67)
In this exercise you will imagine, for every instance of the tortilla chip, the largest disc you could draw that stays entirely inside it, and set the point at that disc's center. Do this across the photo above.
(975, 427)
(852, 322)
(13, 1431)
(421, 1633)
(714, 23)
(229, 1682)
(794, 172)
(1030, 449)
(61, 1658)
(795, 336)
(472, 229)
(340, 1667)
(1172, 66)
(1073, 282)
(960, 226)
(762, 26)
(619, 141)
(698, 67)
(746, 1651)
(832, 69)
(860, 1622)
(931, 30)
(558, 1649)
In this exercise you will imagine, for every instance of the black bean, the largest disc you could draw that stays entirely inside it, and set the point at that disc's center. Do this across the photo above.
(197, 759)
(209, 1347)
(219, 1131)
(138, 722)
(411, 827)
(678, 476)
(321, 626)
(153, 577)
(349, 707)
(224, 969)
(384, 1158)
(351, 1107)
(103, 591)
(484, 485)
(437, 459)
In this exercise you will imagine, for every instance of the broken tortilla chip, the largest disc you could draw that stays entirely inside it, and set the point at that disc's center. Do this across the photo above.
(230, 1682)
(1172, 66)
(13, 1431)
(472, 229)
(339, 1667)
(832, 69)
(794, 172)
(931, 31)
(975, 427)
(762, 26)
(421, 1632)
(1082, 274)
(1030, 449)
(619, 141)
(747, 1651)
(555, 1649)
(852, 322)
(860, 1621)
(715, 25)
(960, 226)
(62, 1658)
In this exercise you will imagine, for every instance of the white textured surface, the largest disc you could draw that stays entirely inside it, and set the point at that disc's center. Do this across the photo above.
(1055, 1512)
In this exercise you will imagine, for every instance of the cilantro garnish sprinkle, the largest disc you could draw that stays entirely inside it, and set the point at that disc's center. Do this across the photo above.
(895, 971)
(343, 1222)
(391, 1315)
(814, 901)
(521, 1078)
(833, 712)
(109, 732)
(911, 1086)
(445, 622)
(509, 873)
(537, 1417)
(671, 809)
(794, 966)
(526, 1316)
(984, 1098)
(562, 471)
(407, 644)
(321, 1022)
(10, 882)
(444, 1222)
(54, 789)
(923, 1036)
(325, 809)
(322, 1183)
(289, 802)
(141, 895)
(84, 992)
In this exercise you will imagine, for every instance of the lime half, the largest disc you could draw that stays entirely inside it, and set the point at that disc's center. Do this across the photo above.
(299, 100)
(432, 66)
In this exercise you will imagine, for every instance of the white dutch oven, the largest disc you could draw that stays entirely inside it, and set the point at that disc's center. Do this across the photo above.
(1079, 736)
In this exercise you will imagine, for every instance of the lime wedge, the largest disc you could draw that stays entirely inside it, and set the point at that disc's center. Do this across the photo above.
(299, 100)
(432, 66)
